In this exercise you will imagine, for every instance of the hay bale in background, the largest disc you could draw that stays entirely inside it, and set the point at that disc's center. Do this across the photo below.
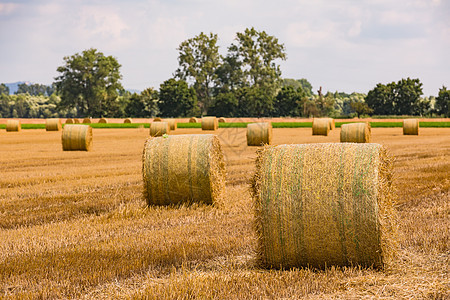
(87, 121)
(128, 120)
(259, 134)
(13, 125)
(77, 137)
(222, 120)
(172, 123)
(411, 127)
(355, 133)
(320, 126)
(103, 120)
(326, 204)
(53, 124)
(210, 123)
(69, 121)
(193, 120)
(183, 169)
(157, 119)
(332, 125)
(76, 121)
(159, 128)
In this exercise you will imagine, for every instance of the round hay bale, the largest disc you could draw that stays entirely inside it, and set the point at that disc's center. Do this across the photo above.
(332, 125)
(222, 120)
(411, 127)
(128, 120)
(103, 120)
(259, 134)
(320, 126)
(76, 121)
(77, 137)
(327, 204)
(53, 124)
(355, 133)
(193, 120)
(157, 119)
(210, 123)
(172, 123)
(183, 169)
(69, 121)
(13, 125)
(159, 128)
(87, 121)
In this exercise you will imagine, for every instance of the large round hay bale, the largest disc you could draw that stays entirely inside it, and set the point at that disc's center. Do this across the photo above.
(76, 121)
(87, 121)
(320, 126)
(183, 169)
(13, 125)
(222, 120)
(172, 123)
(77, 137)
(411, 127)
(193, 120)
(69, 121)
(210, 123)
(159, 128)
(157, 119)
(103, 120)
(128, 120)
(259, 134)
(53, 124)
(325, 204)
(355, 133)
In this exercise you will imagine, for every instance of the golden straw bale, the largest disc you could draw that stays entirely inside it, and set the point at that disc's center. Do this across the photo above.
(320, 126)
(259, 134)
(327, 204)
(332, 125)
(76, 121)
(411, 127)
(53, 124)
(183, 169)
(222, 120)
(128, 120)
(69, 121)
(210, 123)
(13, 125)
(159, 128)
(103, 120)
(172, 123)
(77, 137)
(157, 119)
(87, 121)
(356, 133)
(193, 120)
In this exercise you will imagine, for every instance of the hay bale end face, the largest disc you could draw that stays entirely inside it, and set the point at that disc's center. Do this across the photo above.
(172, 123)
(157, 119)
(53, 124)
(321, 126)
(259, 134)
(183, 169)
(128, 120)
(321, 205)
(222, 120)
(210, 123)
(355, 133)
(77, 138)
(159, 128)
(193, 120)
(87, 121)
(411, 127)
(69, 121)
(13, 125)
(103, 120)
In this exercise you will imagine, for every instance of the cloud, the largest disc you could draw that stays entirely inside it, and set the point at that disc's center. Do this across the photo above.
(8, 8)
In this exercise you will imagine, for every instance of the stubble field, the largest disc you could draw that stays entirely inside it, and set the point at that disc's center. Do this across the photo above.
(75, 224)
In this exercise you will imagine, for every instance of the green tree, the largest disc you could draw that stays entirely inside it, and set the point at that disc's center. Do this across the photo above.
(254, 102)
(89, 82)
(34, 89)
(289, 101)
(225, 105)
(177, 99)
(407, 94)
(4, 89)
(296, 83)
(198, 62)
(442, 104)
(360, 108)
(143, 105)
(381, 99)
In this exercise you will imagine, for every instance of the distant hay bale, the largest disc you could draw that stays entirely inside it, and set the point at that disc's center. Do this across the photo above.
(77, 137)
(157, 119)
(128, 120)
(411, 127)
(193, 120)
(76, 121)
(159, 128)
(87, 121)
(321, 205)
(259, 134)
(69, 121)
(53, 124)
(222, 120)
(210, 123)
(13, 125)
(103, 120)
(320, 126)
(331, 123)
(355, 133)
(183, 169)
(172, 123)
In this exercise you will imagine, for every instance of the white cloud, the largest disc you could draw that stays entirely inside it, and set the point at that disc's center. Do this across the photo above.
(8, 8)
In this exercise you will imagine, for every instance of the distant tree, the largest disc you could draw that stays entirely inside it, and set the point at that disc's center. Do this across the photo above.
(310, 108)
(4, 89)
(254, 102)
(143, 105)
(225, 105)
(90, 83)
(5, 108)
(360, 108)
(381, 99)
(296, 83)
(230, 76)
(442, 105)
(177, 99)
(407, 96)
(34, 89)
(289, 101)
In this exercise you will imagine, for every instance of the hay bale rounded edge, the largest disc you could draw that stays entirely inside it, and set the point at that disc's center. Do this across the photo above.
(355, 133)
(103, 120)
(210, 123)
(128, 120)
(172, 124)
(259, 134)
(87, 121)
(321, 126)
(222, 120)
(193, 120)
(183, 169)
(53, 124)
(76, 138)
(76, 121)
(157, 119)
(13, 125)
(159, 128)
(411, 127)
(319, 205)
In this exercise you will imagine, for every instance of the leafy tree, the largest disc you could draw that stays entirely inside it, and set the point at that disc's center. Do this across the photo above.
(4, 89)
(360, 108)
(90, 83)
(225, 104)
(230, 76)
(407, 94)
(198, 60)
(254, 102)
(35, 89)
(177, 99)
(289, 101)
(381, 99)
(442, 104)
(143, 105)
(310, 108)
(5, 108)
(296, 83)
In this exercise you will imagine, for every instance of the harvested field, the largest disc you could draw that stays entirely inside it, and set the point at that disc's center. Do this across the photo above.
(76, 225)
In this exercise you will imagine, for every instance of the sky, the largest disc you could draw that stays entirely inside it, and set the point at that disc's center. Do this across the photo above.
(341, 45)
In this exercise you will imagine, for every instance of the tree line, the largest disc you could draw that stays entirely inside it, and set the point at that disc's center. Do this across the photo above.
(246, 82)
